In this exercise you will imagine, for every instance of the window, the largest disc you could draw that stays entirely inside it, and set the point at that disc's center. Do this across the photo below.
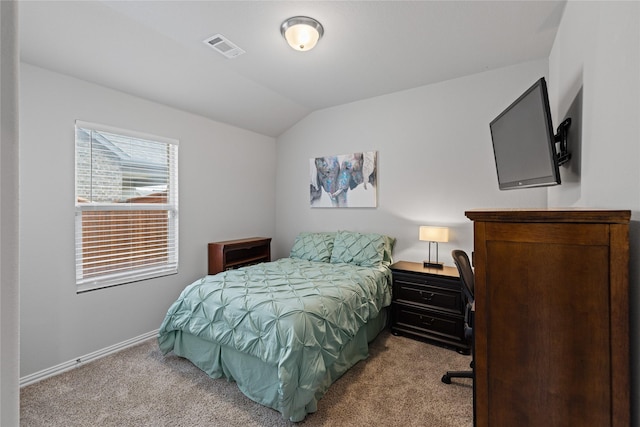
(126, 206)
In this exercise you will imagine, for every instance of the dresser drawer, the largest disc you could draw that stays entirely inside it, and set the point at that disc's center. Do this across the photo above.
(428, 323)
(429, 293)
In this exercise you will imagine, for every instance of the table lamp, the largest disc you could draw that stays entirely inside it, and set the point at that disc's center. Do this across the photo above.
(433, 235)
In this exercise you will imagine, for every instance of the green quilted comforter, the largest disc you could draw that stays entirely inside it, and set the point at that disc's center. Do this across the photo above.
(293, 314)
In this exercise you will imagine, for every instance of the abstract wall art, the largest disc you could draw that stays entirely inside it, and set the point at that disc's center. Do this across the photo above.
(344, 181)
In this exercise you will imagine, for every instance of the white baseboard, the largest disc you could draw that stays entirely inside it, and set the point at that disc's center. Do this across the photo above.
(66, 366)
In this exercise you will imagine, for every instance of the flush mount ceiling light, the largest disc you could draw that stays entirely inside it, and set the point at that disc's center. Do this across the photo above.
(301, 32)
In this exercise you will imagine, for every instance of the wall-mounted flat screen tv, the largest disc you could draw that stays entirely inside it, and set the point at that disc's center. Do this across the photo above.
(524, 142)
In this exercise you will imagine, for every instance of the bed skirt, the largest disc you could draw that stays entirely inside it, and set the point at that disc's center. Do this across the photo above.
(259, 380)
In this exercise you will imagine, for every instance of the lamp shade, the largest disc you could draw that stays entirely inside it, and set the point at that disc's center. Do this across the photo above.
(301, 32)
(434, 234)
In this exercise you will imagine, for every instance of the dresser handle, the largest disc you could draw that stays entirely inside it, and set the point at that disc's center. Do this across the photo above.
(427, 323)
(429, 297)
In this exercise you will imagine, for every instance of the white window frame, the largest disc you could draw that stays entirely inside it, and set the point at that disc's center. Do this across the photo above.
(87, 282)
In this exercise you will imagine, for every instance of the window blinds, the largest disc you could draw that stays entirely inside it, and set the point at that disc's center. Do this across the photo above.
(126, 206)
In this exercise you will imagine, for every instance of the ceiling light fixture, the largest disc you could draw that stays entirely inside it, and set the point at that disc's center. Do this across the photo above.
(301, 32)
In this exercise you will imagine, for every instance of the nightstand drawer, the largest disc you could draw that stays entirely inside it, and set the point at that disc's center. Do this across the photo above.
(428, 323)
(408, 291)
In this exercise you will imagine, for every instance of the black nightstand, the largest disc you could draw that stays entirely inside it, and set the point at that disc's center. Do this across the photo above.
(428, 304)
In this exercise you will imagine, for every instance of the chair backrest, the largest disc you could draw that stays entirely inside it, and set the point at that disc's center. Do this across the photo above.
(461, 261)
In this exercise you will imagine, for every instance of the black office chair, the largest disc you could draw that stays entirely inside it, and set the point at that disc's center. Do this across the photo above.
(461, 261)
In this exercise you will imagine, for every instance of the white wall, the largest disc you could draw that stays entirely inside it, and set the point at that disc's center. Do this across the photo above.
(9, 261)
(595, 58)
(435, 161)
(597, 49)
(227, 190)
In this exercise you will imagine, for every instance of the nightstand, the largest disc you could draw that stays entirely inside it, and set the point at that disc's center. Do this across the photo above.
(428, 304)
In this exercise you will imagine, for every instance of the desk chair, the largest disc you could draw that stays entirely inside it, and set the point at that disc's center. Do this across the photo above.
(461, 261)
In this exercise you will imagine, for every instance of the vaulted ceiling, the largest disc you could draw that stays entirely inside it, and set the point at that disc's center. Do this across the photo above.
(155, 50)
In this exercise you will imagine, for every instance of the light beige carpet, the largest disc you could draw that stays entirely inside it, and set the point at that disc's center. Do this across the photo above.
(398, 385)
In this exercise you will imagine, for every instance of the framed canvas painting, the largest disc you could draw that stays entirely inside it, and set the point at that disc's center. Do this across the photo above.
(344, 181)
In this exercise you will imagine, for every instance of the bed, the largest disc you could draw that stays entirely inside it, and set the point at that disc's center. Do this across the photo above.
(285, 330)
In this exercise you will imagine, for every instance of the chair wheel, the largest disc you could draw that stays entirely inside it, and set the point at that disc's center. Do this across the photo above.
(446, 379)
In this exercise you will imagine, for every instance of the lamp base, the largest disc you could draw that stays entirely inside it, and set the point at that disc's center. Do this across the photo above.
(429, 264)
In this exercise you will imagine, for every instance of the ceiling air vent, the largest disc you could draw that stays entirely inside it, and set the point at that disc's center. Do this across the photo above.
(222, 45)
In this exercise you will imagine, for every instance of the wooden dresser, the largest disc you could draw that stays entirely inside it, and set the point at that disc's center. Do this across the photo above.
(551, 317)
(231, 254)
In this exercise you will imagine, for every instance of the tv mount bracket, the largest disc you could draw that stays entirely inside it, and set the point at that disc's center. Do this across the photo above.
(561, 138)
